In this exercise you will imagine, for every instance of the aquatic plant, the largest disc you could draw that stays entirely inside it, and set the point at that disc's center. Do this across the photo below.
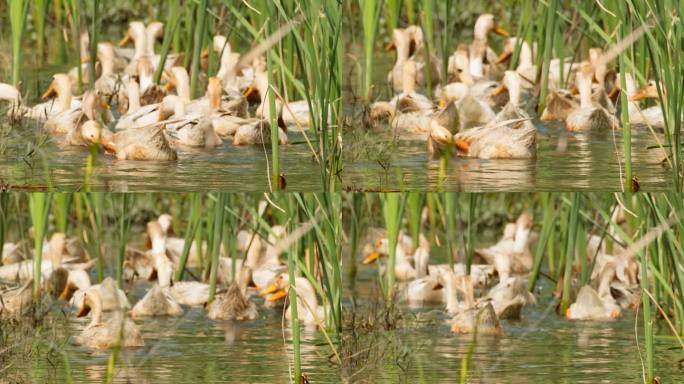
(18, 10)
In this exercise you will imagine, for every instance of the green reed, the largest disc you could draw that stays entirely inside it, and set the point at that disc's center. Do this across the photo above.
(392, 208)
(370, 16)
(198, 43)
(93, 35)
(74, 8)
(194, 225)
(170, 31)
(4, 223)
(124, 224)
(18, 10)
(549, 31)
(39, 206)
(39, 14)
(62, 201)
(218, 231)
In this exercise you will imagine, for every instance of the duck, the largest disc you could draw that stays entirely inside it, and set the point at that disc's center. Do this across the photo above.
(652, 116)
(111, 298)
(61, 88)
(290, 112)
(526, 68)
(137, 33)
(118, 330)
(510, 135)
(156, 302)
(16, 301)
(233, 304)
(589, 116)
(482, 321)
(17, 109)
(310, 313)
(479, 50)
(108, 82)
(559, 104)
(409, 44)
(146, 143)
(511, 254)
(509, 296)
(471, 102)
(409, 100)
(258, 132)
(458, 67)
(403, 269)
(190, 293)
(454, 284)
(593, 305)
(93, 108)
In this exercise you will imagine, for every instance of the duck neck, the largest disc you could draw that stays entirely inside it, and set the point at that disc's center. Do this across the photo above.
(451, 294)
(64, 96)
(183, 90)
(521, 236)
(525, 57)
(421, 261)
(476, 67)
(606, 278)
(306, 297)
(632, 106)
(584, 87)
(133, 97)
(149, 44)
(95, 303)
(140, 43)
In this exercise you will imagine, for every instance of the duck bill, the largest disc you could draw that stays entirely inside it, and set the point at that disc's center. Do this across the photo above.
(503, 57)
(169, 86)
(126, 40)
(109, 146)
(50, 92)
(437, 285)
(640, 95)
(268, 290)
(568, 314)
(371, 258)
(391, 46)
(68, 292)
(614, 93)
(462, 145)
(499, 90)
(501, 32)
(277, 295)
(205, 54)
(442, 103)
(84, 310)
(248, 92)
(615, 314)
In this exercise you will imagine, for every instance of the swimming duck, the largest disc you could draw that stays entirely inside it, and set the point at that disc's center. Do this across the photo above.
(137, 33)
(479, 50)
(652, 116)
(93, 108)
(258, 132)
(402, 267)
(61, 88)
(472, 109)
(110, 297)
(309, 311)
(17, 300)
(458, 67)
(589, 116)
(232, 304)
(590, 306)
(526, 68)
(510, 135)
(100, 334)
(559, 104)
(509, 296)
(145, 143)
(190, 293)
(482, 321)
(291, 113)
(108, 82)
(156, 302)
(512, 250)
(409, 45)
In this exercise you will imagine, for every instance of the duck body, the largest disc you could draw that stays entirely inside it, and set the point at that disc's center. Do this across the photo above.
(257, 132)
(478, 320)
(232, 305)
(155, 303)
(100, 334)
(146, 144)
(190, 293)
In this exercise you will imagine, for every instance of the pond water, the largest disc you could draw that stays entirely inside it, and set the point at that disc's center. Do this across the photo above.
(191, 348)
(565, 161)
(542, 347)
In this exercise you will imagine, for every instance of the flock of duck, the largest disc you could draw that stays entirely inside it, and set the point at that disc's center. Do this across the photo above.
(66, 280)
(497, 286)
(152, 121)
(480, 110)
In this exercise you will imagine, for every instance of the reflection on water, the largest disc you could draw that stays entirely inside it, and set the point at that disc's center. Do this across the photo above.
(227, 168)
(542, 347)
(565, 161)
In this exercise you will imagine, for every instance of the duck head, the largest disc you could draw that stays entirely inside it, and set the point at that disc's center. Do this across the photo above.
(650, 91)
(277, 288)
(485, 24)
(214, 92)
(154, 32)
(91, 131)
(136, 33)
(60, 87)
(92, 301)
(179, 79)
(106, 54)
